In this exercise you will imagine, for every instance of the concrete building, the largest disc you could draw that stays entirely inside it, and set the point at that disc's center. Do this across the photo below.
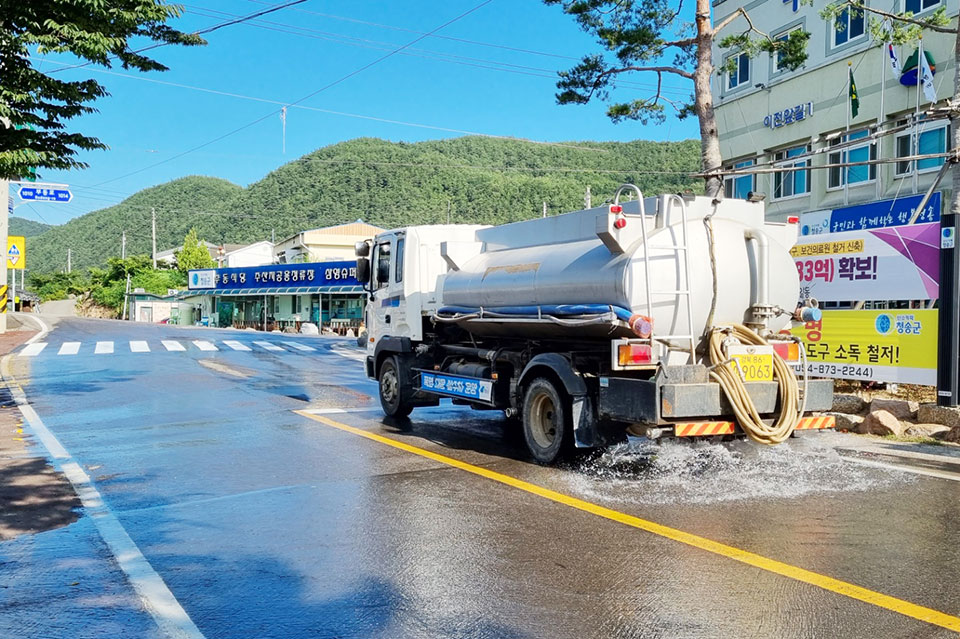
(326, 244)
(769, 114)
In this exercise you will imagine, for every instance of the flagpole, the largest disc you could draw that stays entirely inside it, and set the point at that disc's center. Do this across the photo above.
(844, 172)
(883, 117)
(916, 117)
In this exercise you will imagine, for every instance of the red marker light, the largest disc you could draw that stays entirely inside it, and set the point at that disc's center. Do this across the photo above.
(620, 222)
(793, 219)
(616, 208)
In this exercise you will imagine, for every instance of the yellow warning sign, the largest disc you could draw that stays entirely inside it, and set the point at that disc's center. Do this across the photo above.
(16, 252)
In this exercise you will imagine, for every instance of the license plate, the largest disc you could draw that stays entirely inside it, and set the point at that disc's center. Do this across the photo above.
(756, 362)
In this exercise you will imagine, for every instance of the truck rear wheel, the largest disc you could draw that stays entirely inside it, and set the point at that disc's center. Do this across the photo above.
(394, 390)
(545, 420)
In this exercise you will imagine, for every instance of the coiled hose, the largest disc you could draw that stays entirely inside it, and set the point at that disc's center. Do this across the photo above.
(733, 387)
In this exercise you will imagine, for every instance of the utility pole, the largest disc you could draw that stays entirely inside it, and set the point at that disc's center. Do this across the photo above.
(586, 199)
(153, 225)
(448, 211)
(544, 209)
(4, 204)
(69, 256)
(123, 246)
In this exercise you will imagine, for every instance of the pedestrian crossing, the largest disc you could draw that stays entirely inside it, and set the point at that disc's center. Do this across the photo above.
(105, 347)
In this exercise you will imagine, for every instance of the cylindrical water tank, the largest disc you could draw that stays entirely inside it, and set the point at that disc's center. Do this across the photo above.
(585, 271)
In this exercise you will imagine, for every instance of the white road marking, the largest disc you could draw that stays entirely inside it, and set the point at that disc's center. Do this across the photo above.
(139, 346)
(204, 345)
(268, 346)
(235, 345)
(927, 472)
(172, 345)
(169, 615)
(31, 350)
(69, 348)
(300, 347)
(103, 348)
(349, 353)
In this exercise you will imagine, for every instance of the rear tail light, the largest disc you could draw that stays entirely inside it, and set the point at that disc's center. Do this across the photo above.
(633, 354)
(788, 351)
(793, 219)
(616, 208)
(620, 222)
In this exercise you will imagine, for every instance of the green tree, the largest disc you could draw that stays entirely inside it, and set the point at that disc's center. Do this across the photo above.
(34, 106)
(194, 253)
(631, 35)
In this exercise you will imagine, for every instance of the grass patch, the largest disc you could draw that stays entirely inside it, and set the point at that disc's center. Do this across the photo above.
(919, 439)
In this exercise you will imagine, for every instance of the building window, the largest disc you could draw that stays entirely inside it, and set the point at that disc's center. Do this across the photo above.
(739, 187)
(276, 305)
(738, 73)
(931, 141)
(791, 183)
(858, 173)
(297, 305)
(778, 59)
(916, 6)
(848, 26)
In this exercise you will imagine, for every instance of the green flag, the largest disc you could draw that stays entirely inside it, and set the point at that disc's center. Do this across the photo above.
(854, 100)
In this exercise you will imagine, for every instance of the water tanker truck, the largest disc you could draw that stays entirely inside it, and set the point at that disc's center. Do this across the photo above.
(662, 316)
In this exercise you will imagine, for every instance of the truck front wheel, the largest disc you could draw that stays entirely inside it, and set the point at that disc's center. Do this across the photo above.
(394, 391)
(545, 417)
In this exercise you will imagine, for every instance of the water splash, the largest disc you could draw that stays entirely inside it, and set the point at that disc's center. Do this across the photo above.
(645, 472)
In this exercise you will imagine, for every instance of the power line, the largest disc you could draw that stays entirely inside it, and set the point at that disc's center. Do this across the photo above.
(306, 97)
(209, 29)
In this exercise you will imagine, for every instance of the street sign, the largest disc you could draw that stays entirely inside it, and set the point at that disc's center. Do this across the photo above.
(16, 252)
(43, 194)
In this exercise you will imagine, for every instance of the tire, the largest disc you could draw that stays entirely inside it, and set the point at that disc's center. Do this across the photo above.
(546, 417)
(394, 390)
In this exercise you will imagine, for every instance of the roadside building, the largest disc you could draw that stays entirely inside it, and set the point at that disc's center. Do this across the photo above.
(768, 114)
(324, 244)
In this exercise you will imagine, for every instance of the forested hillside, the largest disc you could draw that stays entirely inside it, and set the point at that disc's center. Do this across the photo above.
(26, 228)
(384, 183)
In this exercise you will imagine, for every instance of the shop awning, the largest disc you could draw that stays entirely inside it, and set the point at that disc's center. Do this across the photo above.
(273, 290)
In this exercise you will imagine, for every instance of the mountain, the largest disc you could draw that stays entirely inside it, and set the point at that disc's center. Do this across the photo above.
(389, 184)
(26, 228)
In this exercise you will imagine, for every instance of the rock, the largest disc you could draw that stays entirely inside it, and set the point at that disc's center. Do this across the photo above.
(349, 333)
(309, 329)
(899, 408)
(881, 422)
(952, 435)
(933, 414)
(847, 422)
(849, 404)
(934, 431)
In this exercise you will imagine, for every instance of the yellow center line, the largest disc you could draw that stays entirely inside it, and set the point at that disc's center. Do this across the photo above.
(853, 591)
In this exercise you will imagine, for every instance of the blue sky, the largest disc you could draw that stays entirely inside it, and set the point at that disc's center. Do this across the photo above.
(443, 82)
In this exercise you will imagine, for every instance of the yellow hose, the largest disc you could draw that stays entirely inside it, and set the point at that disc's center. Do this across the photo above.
(733, 387)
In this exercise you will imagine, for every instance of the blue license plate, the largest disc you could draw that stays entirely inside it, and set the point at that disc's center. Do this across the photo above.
(455, 386)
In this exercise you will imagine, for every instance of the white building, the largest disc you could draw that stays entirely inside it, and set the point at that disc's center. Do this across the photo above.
(769, 114)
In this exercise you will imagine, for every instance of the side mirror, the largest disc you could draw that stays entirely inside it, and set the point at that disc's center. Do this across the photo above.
(362, 249)
(363, 270)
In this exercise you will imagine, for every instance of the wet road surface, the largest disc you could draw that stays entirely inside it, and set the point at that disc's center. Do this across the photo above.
(265, 522)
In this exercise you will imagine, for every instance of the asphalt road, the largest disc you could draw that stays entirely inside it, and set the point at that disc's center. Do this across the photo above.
(267, 493)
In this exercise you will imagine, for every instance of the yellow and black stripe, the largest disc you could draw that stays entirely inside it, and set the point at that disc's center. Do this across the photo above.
(3, 298)
(701, 429)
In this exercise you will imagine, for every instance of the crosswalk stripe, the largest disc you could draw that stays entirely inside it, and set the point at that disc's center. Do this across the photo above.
(69, 348)
(32, 350)
(204, 345)
(300, 347)
(268, 346)
(172, 345)
(103, 348)
(235, 345)
(139, 346)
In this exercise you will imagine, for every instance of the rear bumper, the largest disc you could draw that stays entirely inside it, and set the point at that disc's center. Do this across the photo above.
(704, 429)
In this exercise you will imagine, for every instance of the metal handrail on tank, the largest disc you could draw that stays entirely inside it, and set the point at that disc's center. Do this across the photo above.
(686, 265)
(643, 233)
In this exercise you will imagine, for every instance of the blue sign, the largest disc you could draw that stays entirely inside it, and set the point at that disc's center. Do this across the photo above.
(457, 386)
(43, 194)
(875, 215)
(276, 276)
